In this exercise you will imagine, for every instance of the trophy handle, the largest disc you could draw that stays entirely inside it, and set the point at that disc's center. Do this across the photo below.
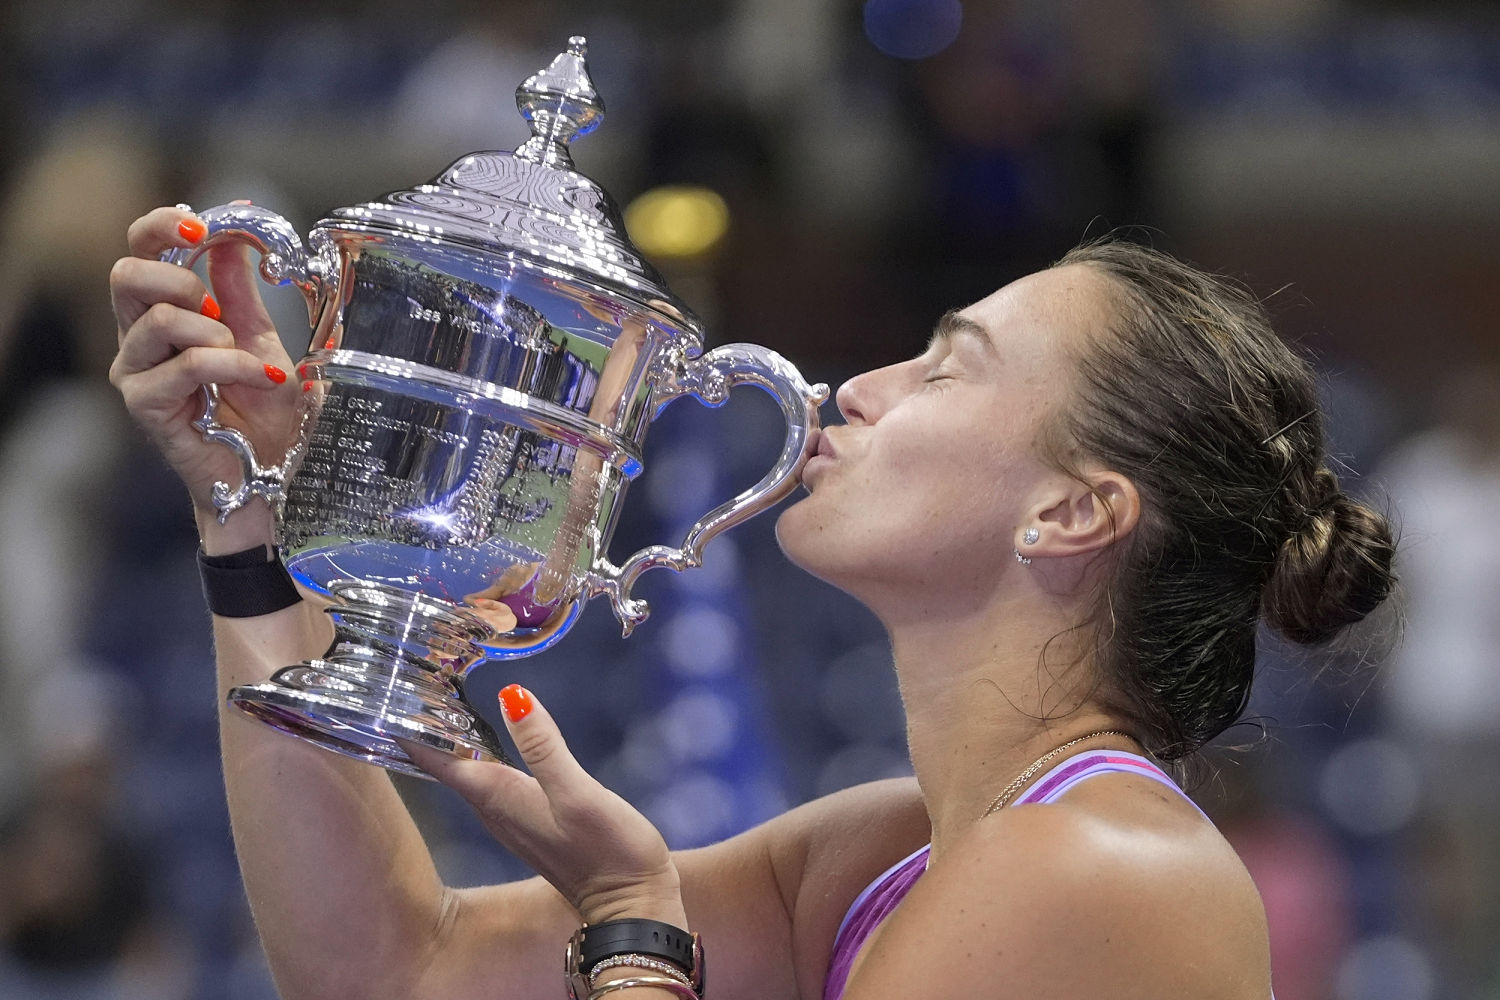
(284, 260)
(709, 378)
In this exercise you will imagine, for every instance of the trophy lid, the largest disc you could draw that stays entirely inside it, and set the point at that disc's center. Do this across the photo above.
(531, 203)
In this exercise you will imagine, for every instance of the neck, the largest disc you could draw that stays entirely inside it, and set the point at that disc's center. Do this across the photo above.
(981, 705)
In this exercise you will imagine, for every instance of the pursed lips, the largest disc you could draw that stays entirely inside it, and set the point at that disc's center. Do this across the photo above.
(822, 449)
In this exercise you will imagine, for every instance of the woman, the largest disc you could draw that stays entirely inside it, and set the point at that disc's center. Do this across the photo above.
(1070, 512)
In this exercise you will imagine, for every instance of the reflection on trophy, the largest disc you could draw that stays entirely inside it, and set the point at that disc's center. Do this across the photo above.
(488, 352)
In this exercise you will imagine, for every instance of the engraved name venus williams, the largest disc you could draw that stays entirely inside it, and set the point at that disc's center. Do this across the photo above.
(488, 352)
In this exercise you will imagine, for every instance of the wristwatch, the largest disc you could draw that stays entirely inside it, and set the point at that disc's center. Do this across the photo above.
(591, 945)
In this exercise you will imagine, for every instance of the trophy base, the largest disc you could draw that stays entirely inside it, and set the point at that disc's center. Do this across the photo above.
(388, 678)
(365, 731)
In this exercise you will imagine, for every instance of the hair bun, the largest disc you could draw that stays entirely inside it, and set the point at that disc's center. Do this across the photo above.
(1333, 571)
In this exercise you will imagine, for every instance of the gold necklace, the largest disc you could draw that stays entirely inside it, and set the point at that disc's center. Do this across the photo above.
(1025, 775)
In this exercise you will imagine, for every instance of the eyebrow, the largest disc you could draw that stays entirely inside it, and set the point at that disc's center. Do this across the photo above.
(951, 325)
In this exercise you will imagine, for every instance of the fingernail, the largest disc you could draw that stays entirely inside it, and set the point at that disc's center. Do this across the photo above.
(302, 371)
(517, 702)
(210, 308)
(275, 374)
(192, 230)
(307, 387)
(328, 345)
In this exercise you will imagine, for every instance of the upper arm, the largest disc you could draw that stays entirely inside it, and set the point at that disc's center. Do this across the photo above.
(499, 942)
(1058, 909)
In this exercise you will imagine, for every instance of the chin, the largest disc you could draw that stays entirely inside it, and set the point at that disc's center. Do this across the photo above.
(791, 524)
(798, 531)
(810, 543)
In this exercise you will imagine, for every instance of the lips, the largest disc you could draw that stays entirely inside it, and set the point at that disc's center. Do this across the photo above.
(821, 446)
(822, 453)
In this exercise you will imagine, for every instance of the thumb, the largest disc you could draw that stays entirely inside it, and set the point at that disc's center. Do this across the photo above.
(234, 272)
(235, 275)
(539, 741)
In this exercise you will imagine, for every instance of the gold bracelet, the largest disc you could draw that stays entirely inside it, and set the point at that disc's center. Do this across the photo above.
(639, 962)
(661, 982)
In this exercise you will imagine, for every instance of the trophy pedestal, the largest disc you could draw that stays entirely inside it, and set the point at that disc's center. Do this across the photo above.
(391, 675)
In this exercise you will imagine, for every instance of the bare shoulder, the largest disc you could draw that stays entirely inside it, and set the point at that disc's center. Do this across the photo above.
(846, 841)
(1122, 889)
(851, 835)
(845, 835)
(782, 888)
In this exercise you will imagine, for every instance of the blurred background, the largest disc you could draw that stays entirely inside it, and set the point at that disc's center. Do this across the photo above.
(836, 175)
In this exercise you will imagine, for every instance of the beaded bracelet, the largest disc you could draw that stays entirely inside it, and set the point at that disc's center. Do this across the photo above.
(661, 982)
(639, 962)
(246, 584)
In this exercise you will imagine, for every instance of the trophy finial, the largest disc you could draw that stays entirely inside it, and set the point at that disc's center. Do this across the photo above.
(560, 103)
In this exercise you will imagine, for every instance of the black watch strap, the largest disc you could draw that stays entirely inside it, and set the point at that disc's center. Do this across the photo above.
(639, 937)
(246, 584)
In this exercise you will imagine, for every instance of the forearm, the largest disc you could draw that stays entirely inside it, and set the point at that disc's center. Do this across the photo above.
(342, 887)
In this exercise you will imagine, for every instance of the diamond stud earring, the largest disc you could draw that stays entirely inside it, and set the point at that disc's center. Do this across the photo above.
(1028, 538)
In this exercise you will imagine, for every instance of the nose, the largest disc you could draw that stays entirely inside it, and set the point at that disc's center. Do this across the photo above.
(867, 395)
(851, 400)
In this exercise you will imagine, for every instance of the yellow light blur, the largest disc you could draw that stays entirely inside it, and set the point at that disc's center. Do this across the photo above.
(677, 221)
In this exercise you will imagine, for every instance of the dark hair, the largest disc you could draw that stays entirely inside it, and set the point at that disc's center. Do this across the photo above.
(1215, 420)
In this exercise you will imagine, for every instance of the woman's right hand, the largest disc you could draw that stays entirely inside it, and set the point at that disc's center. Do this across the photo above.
(174, 337)
(597, 850)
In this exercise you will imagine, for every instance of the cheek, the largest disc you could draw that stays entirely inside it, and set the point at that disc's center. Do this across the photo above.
(961, 502)
(900, 519)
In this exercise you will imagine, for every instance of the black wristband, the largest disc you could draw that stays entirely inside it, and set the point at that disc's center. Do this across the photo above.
(246, 584)
(639, 937)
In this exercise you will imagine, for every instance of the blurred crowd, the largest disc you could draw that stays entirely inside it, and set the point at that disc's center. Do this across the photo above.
(881, 162)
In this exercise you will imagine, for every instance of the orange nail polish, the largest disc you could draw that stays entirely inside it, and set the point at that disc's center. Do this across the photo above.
(210, 308)
(328, 346)
(192, 230)
(275, 374)
(302, 371)
(307, 387)
(517, 702)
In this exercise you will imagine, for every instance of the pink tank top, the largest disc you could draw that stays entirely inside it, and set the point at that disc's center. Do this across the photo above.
(881, 896)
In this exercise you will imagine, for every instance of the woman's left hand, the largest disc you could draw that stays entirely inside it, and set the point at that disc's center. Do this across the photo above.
(593, 846)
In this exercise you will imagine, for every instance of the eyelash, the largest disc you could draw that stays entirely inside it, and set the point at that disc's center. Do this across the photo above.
(939, 372)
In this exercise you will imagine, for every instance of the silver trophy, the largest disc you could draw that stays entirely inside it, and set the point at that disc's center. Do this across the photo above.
(488, 352)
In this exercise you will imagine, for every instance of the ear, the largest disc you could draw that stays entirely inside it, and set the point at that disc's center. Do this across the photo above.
(1088, 516)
